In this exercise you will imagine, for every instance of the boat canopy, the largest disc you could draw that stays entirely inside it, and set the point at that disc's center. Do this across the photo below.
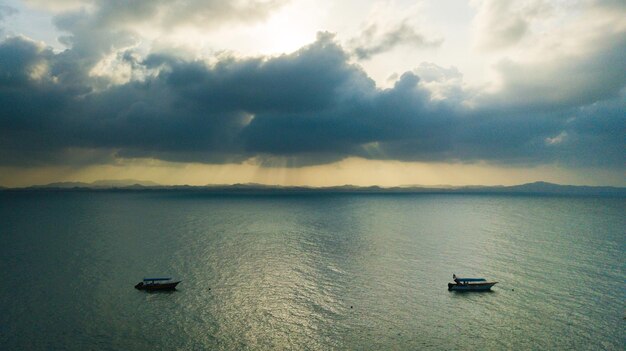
(470, 279)
(155, 279)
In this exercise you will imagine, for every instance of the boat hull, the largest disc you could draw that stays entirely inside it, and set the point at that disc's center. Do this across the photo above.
(471, 286)
(157, 287)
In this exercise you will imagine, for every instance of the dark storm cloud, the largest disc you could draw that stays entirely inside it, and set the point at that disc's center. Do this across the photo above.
(597, 133)
(372, 42)
(312, 106)
(306, 81)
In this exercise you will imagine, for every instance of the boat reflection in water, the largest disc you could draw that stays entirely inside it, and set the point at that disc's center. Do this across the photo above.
(470, 284)
(156, 284)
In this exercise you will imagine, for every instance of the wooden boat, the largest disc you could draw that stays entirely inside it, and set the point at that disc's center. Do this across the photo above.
(156, 284)
(470, 284)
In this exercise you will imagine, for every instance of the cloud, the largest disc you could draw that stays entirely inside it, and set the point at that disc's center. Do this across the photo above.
(310, 107)
(577, 65)
(373, 42)
(443, 83)
(98, 34)
(163, 13)
(564, 81)
(5, 11)
(611, 5)
(503, 23)
(88, 41)
(58, 5)
(167, 14)
(94, 30)
(592, 129)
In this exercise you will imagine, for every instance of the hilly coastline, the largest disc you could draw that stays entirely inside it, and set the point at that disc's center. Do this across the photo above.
(537, 188)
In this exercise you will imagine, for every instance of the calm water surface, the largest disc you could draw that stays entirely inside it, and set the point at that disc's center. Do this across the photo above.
(312, 272)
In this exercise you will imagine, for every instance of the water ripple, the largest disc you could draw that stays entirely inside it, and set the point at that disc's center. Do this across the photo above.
(313, 272)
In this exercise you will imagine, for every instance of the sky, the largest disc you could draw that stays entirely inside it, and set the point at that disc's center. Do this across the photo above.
(318, 93)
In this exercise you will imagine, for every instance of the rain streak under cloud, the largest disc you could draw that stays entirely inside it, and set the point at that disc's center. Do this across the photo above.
(116, 87)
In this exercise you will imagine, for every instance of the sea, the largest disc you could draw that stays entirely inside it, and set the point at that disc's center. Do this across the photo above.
(310, 271)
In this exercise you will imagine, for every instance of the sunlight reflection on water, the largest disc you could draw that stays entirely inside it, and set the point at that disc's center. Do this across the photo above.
(311, 272)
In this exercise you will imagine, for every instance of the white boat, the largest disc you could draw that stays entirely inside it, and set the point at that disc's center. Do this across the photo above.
(470, 284)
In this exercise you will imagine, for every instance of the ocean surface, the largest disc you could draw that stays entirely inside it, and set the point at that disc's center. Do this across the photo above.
(310, 271)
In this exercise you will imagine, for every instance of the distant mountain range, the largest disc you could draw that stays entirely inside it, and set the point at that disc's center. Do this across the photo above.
(536, 188)
(98, 184)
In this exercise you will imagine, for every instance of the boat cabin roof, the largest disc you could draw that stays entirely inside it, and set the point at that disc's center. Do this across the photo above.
(155, 279)
(470, 279)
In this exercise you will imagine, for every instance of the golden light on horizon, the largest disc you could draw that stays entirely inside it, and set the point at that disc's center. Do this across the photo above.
(350, 171)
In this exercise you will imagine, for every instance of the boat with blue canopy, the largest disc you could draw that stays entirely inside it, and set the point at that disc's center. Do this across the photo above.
(470, 284)
(156, 284)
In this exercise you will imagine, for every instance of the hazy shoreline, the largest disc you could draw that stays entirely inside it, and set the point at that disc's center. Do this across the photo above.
(536, 188)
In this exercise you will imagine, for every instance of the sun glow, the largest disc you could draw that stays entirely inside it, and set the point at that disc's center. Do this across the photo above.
(286, 30)
(353, 171)
(290, 28)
